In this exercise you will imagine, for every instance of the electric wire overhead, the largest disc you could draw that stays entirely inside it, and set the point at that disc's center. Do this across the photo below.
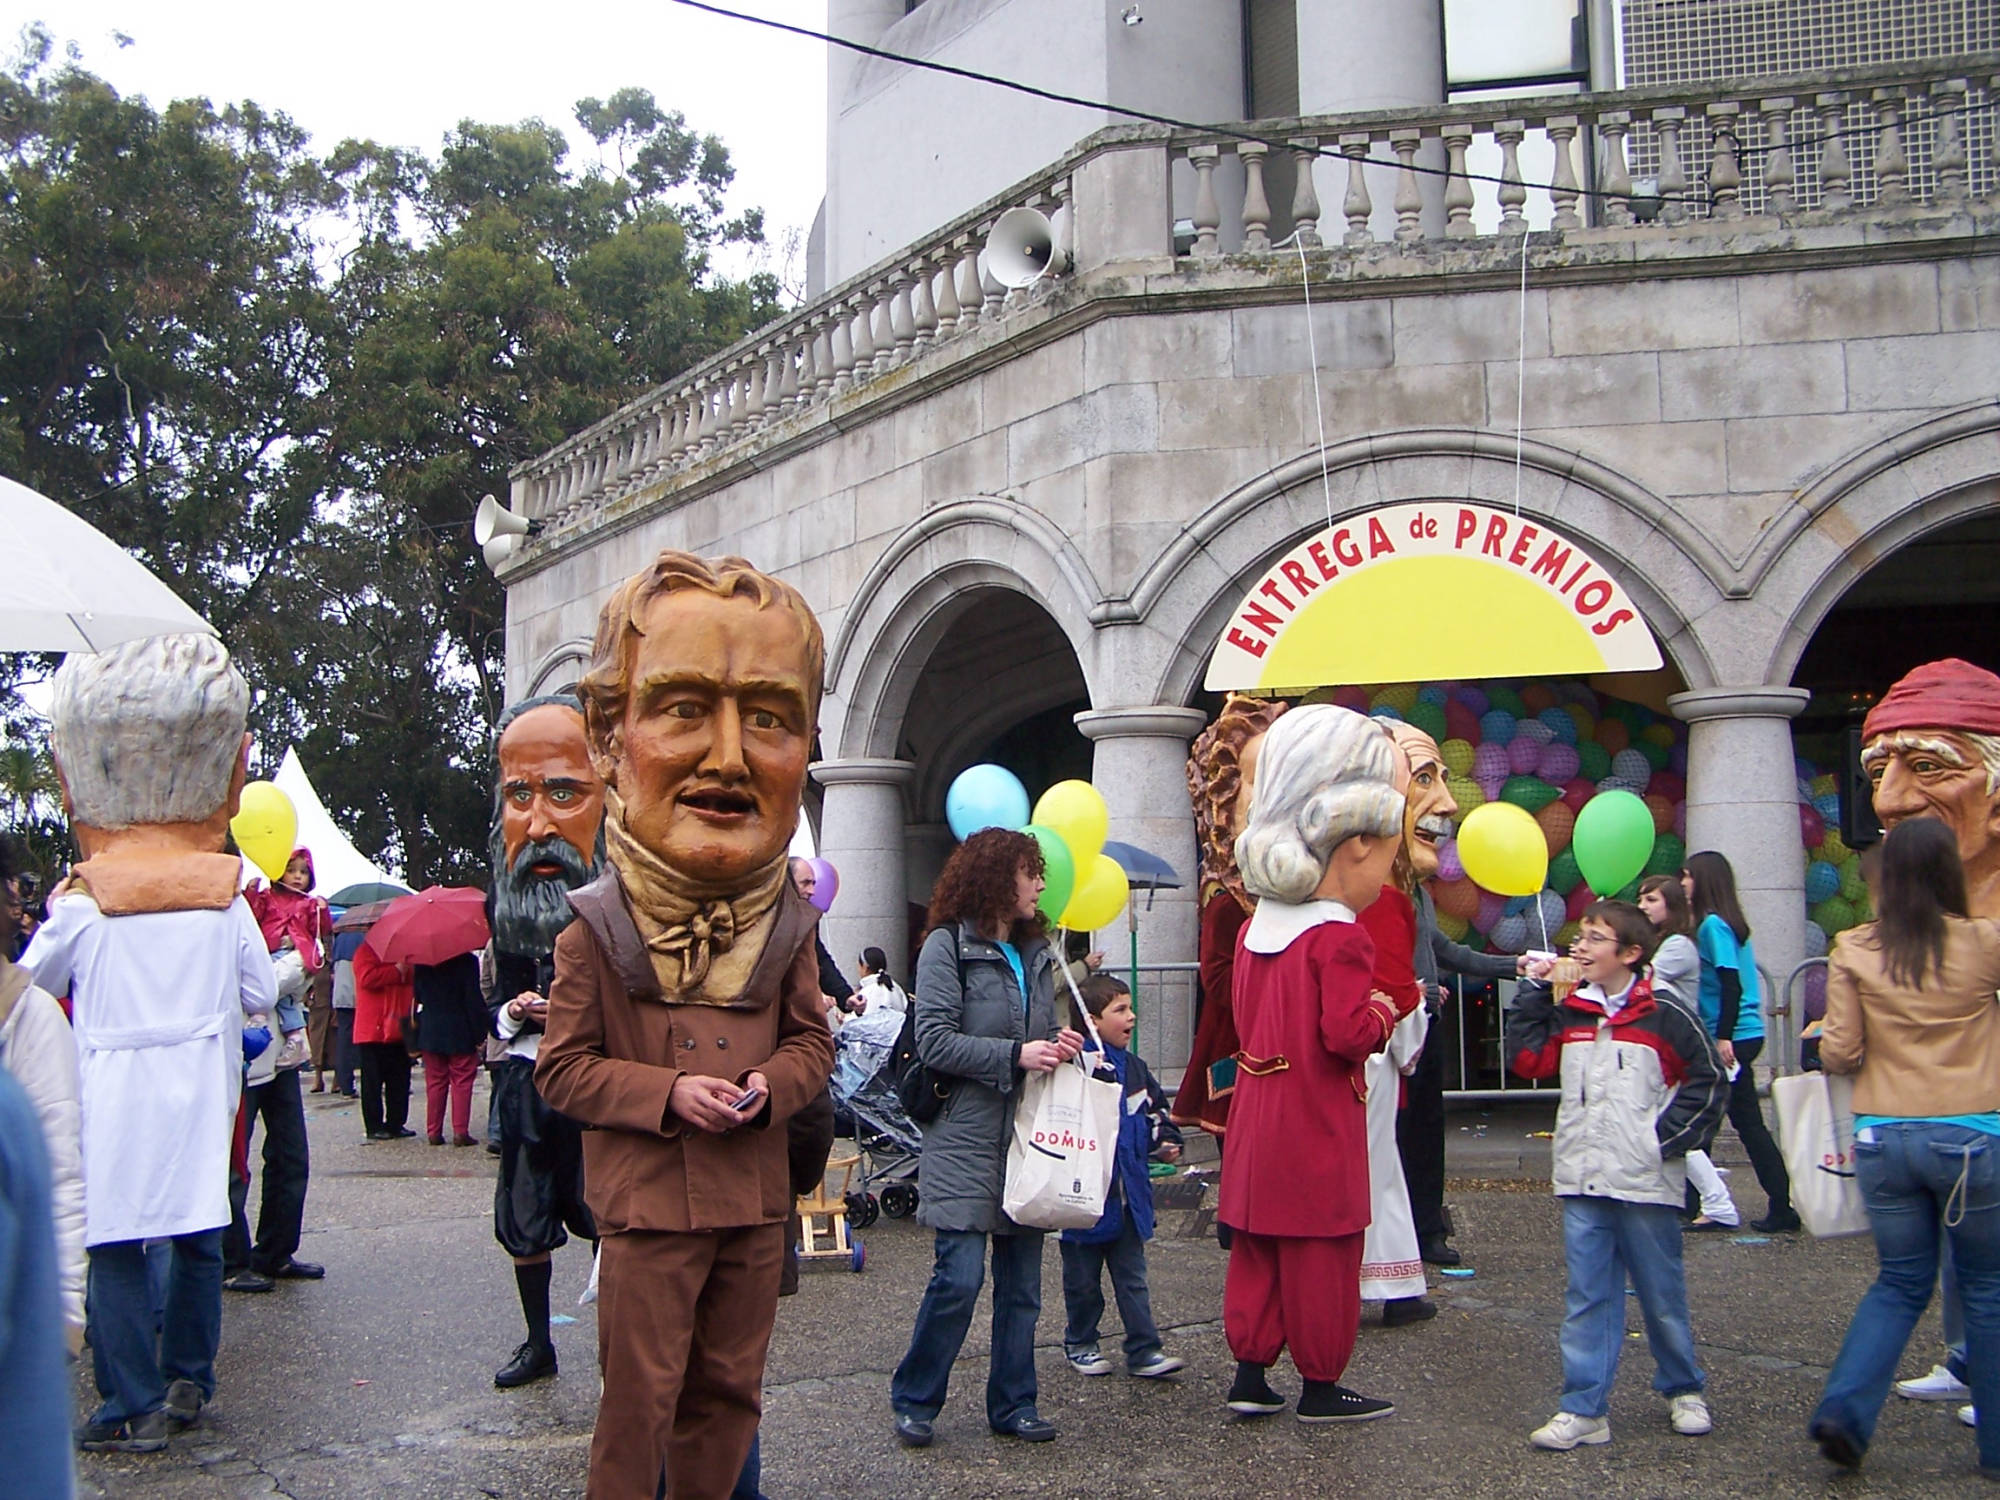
(1231, 132)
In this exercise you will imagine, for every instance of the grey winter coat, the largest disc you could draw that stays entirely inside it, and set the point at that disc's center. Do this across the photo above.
(973, 1035)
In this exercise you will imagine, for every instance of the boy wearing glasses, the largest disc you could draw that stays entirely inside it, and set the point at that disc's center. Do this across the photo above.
(1641, 1086)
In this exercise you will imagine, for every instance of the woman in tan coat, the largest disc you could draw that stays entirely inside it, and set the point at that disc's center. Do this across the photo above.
(1911, 1012)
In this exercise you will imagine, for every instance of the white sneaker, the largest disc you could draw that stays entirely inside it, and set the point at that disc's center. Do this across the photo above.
(1089, 1362)
(1969, 1416)
(1939, 1385)
(1689, 1414)
(1566, 1430)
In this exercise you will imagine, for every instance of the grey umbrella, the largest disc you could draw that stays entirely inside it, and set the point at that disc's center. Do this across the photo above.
(67, 586)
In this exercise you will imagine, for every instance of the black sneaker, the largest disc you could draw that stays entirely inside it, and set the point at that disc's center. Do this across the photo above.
(1400, 1312)
(1777, 1223)
(1837, 1444)
(1324, 1401)
(184, 1404)
(1438, 1252)
(531, 1362)
(1250, 1395)
(147, 1434)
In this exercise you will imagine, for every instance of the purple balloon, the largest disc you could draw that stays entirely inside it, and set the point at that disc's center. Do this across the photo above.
(1523, 756)
(1450, 867)
(826, 884)
(1559, 764)
(1489, 762)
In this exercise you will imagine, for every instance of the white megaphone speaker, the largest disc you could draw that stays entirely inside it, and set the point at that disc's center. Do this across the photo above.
(498, 531)
(1022, 248)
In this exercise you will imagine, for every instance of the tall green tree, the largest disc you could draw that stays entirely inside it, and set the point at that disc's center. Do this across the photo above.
(285, 380)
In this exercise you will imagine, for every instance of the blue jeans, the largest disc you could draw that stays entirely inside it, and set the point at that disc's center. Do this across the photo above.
(1083, 1293)
(134, 1363)
(1916, 1179)
(917, 1389)
(1603, 1240)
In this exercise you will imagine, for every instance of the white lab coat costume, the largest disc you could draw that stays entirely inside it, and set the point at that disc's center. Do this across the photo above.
(158, 1002)
(1391, 1265)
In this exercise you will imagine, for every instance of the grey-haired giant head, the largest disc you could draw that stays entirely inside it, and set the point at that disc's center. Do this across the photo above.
(548, 821)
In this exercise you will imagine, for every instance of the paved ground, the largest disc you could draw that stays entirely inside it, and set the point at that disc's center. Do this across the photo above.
(377, 1381)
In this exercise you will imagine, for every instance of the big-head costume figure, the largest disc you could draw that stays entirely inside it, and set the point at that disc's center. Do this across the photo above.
(1325, 828)
(547, 840)
(1221, 769)
(1931, 749)
(1428, 816)
(685, 1022)
(163, 962)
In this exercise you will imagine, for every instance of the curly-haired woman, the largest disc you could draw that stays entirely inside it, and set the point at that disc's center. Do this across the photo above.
(985, 1015)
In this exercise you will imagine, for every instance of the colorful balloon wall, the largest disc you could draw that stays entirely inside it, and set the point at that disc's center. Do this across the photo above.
(1548, 747)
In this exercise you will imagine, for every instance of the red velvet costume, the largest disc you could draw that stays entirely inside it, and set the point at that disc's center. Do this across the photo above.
(1295, 1161)
(1222, 921)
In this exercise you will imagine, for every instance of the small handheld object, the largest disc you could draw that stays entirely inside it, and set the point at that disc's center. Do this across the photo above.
(748, 1104)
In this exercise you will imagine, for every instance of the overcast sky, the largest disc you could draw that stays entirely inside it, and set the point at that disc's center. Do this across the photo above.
(406, 72)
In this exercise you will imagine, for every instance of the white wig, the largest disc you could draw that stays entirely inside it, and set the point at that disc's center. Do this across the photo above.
(149, 732)
(1325, 774)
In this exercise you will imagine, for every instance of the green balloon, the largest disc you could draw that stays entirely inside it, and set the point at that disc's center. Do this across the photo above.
(1657, 756)
(1593, 763)
(1508, 701)
(1613, 840)
(1058, 870)
(1835, 914)
(1669, 855)
(1563, 873)
(1429, 717)
(1627, 892)
(1853, 888)
(1530, 792)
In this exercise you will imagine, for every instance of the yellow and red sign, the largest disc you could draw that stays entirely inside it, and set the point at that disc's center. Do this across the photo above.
(1430, 591)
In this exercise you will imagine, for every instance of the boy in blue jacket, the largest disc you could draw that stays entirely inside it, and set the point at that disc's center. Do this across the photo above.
(1118, 1239)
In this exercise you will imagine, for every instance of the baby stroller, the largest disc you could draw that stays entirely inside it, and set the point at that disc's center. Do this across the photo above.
(889, 1143)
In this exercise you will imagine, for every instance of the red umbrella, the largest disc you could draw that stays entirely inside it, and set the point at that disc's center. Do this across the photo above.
(437, 923)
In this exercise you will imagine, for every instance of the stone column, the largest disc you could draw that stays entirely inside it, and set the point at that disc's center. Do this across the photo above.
(1742, 801)
(1140, 765)
(861, 835)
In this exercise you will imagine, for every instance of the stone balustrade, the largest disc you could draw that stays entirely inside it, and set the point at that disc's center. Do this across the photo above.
(1912, 142)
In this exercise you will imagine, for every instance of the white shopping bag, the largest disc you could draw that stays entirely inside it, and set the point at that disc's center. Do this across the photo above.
(1816, 1131)
(1064, 1149)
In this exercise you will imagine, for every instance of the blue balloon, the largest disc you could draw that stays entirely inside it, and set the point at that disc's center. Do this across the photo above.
(1822, 882)
(1385, 712)
(1563, 724)
(1496, 727)
(985, 796)
(1433, 692)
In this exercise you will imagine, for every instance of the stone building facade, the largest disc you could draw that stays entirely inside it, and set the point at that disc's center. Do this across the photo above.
(1018, 511)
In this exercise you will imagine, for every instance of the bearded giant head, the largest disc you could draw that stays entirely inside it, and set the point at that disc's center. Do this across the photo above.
(547, 837)
(1931, 749)
(1428, 806)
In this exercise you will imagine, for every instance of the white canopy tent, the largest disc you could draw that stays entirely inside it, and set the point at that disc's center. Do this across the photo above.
(336, 862)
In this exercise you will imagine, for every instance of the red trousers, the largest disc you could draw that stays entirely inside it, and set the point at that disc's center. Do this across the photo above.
(1305, 1293)
(454, 1071)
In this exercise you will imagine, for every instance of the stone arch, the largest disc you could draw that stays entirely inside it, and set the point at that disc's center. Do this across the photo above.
(920, 586)
(560, 665)
(1889, 494)
(1670, 571)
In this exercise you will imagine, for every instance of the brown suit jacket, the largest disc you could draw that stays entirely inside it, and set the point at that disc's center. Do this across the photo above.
(614, 1048)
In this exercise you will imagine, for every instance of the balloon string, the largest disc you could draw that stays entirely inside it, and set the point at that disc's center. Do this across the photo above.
(1542, 917)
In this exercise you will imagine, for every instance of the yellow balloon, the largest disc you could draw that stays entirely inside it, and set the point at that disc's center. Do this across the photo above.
(1504, 849)
(1099, 895)
(266, 828)
(1076, 811)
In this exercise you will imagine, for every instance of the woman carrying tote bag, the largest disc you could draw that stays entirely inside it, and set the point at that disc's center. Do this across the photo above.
(1910, 1011)
(985, 1017)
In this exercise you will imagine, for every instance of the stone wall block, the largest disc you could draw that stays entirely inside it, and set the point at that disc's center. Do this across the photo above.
(977, 466)
(1875, 300)
(1273, 414)
(929, 426)
(1113, 419)
(1607, 388)
(1404, 396)
(1424, 476)
(1739, 636)
(1968, 294)
(1708, 383)
(862, 453)
(1185, 346)
(1667, 458)
(1914, 373)
(1348, 335)
(1473, 326)
(1788, 453)
(889, 503)
(1032, 382)
(1060, 498)
(1664, 314)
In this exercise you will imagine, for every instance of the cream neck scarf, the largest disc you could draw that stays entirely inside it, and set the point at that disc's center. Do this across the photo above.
(704, 938)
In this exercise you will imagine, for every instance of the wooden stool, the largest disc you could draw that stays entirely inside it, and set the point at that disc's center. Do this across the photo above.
(823, 1233)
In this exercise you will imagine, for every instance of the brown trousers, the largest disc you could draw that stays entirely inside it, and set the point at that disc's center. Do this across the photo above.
(683, 1323)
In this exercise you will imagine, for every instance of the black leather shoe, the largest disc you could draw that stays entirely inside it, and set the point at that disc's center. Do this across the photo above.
(531, 1362)
(1837, 1444)
(247, 1281)
(1784, 1223)
(297, 1270)
(1438, 1252)
(1028, 1427)
(913, 1432)
(1400, 1312)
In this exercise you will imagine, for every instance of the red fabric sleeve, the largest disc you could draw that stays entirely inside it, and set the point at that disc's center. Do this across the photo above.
(1392, 923)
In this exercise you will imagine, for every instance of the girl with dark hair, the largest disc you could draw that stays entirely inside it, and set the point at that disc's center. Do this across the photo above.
(1676, 975)
(1910, 1012)
(1731, 1002)
(985, 1016)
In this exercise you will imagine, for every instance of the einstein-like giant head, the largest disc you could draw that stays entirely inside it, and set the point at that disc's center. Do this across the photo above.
(1429, 806)
(1931, 749)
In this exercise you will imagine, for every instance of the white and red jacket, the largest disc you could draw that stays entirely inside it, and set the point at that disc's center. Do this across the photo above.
(1641, 1087)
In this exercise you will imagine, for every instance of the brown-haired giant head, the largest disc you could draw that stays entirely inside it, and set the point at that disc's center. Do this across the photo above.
(700, 705)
